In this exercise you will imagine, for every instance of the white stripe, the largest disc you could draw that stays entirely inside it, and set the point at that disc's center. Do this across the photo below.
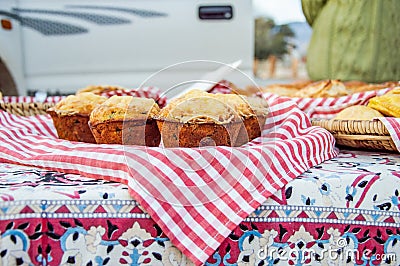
(210, 193)
(13, 121)
(177, 232)
(394, 132)
(65, 166)
(186, 190)
(161, 189)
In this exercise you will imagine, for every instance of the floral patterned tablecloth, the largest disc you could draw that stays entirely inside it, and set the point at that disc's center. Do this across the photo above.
(345, 211)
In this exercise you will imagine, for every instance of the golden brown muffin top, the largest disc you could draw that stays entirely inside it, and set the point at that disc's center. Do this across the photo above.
(198, 107)
(82, 104)
(258, 105)
(118, 108)
(243, 105)
(99, 89)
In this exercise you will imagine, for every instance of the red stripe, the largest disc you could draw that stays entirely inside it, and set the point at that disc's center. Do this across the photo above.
(36, 127)
(159, 195)
(164, 227)
(365, 190)
(291, 126)
(214, 186)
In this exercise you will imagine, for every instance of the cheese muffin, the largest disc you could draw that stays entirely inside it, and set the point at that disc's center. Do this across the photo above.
(71, 116)
(198, 119)
(126, 120)
(252, 110)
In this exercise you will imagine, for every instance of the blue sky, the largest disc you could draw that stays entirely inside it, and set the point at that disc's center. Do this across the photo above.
(282, 11)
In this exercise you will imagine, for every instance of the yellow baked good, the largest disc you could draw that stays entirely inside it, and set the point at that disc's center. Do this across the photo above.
(388, 104)
(126, 120)
(281, 89)
(323, 89)
(198, 108)
(326, 88)
(394, 91)
(71, 116)
(252, 110)
(99, 89)
(83, 103)
(198, 119)
(357, 112)
(288, 90)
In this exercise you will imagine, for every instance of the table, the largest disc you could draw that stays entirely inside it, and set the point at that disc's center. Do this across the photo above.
(333, 213)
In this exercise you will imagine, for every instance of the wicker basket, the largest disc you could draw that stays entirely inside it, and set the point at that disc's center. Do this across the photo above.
(26, 109)
(371, 135)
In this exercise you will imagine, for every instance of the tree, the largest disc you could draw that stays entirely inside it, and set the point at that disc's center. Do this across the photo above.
(271, 39)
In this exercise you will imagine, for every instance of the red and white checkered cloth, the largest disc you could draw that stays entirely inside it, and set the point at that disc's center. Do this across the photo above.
(146, 92)
(392, 124)
(30, 99)
(197, 196)
(326, 108)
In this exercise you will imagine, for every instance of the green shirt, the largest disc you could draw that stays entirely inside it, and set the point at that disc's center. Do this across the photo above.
(354, 39)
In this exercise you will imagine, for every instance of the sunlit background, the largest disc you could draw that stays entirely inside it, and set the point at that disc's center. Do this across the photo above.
(281, 40)
(282, 11)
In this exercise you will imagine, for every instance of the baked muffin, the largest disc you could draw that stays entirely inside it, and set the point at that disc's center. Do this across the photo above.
(99, 89)
(252, 110)
(71, 116)
(198, 119)
(254, 120)
(126, 120)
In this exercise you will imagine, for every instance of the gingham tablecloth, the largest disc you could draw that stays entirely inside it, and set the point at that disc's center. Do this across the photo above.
(393, 126)
(183, 196)
(66, 219)
(197, 196)
(327, 108)
(146, 92)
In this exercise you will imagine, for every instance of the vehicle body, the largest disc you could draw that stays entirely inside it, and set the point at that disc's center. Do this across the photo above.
(61, 46)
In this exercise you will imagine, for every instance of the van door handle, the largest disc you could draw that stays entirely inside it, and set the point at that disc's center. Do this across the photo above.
(215, 12)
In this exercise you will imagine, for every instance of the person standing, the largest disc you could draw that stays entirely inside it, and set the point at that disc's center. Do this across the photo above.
(353, 39)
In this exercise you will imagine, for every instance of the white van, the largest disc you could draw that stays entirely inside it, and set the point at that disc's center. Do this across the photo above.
(63, 45)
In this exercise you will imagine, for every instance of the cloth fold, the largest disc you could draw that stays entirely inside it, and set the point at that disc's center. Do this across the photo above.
(392, 124)
(326, 108)
(197, 196)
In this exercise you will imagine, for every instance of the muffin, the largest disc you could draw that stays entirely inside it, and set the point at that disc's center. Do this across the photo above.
(198, 119)
(252, 110)
(126, 120)
(71, 116)
(100, 89)
(254, 119)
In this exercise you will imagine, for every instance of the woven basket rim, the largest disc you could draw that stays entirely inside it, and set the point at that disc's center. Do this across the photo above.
(26, 109)
(372, 135)
(353, 127)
